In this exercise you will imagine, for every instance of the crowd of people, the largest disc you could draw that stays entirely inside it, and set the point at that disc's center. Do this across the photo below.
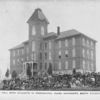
(54, 82)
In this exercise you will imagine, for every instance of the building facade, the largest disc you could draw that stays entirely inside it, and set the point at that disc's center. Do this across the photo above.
(61, 51)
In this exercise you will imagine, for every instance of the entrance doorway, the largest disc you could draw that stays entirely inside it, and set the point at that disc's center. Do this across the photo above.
(30, 68)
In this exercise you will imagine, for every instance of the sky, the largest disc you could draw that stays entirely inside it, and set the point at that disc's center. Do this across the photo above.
(83, 16)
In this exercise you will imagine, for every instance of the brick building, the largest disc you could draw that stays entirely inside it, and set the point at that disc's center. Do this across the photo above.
(60, 51)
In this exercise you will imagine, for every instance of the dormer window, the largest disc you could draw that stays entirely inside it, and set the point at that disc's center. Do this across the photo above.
(33, 30)
(42, 30)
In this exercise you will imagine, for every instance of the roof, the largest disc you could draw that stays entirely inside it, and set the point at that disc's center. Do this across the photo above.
(68, 33)
(51, 34)
(20, 45)
(39, 15)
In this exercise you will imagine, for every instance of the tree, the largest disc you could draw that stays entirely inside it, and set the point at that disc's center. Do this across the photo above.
(14, 74)
(7, 73)
(50, 69)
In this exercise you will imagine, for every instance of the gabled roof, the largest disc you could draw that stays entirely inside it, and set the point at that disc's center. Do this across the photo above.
(51, 34)
(19, 46)
(68, 33)
(39, 15)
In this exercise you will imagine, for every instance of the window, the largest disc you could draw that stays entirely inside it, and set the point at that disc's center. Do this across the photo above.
(66, 53)
(83, 52)
(33, 46)
(49, 55)
(73, 52)
(66, 65)
(45, 46)
(59, 44)
(13, 62)
(83, 41)
(33, 30)
(73, 41)
(73, 64)
(59, 54)
(91, 54)
(49, 44)
(88, 54)
(66, 43)
(42, 30)
(59, 65)
(45, 55)
(83, 64)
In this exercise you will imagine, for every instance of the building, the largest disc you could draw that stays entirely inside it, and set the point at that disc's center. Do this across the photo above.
(60, 51)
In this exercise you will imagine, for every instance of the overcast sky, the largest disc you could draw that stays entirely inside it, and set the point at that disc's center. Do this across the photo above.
(82, 16)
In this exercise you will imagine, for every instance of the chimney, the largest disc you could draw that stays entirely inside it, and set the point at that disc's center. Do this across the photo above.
(58, 30)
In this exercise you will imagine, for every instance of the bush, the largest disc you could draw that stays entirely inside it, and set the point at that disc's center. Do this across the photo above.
(14, 74)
